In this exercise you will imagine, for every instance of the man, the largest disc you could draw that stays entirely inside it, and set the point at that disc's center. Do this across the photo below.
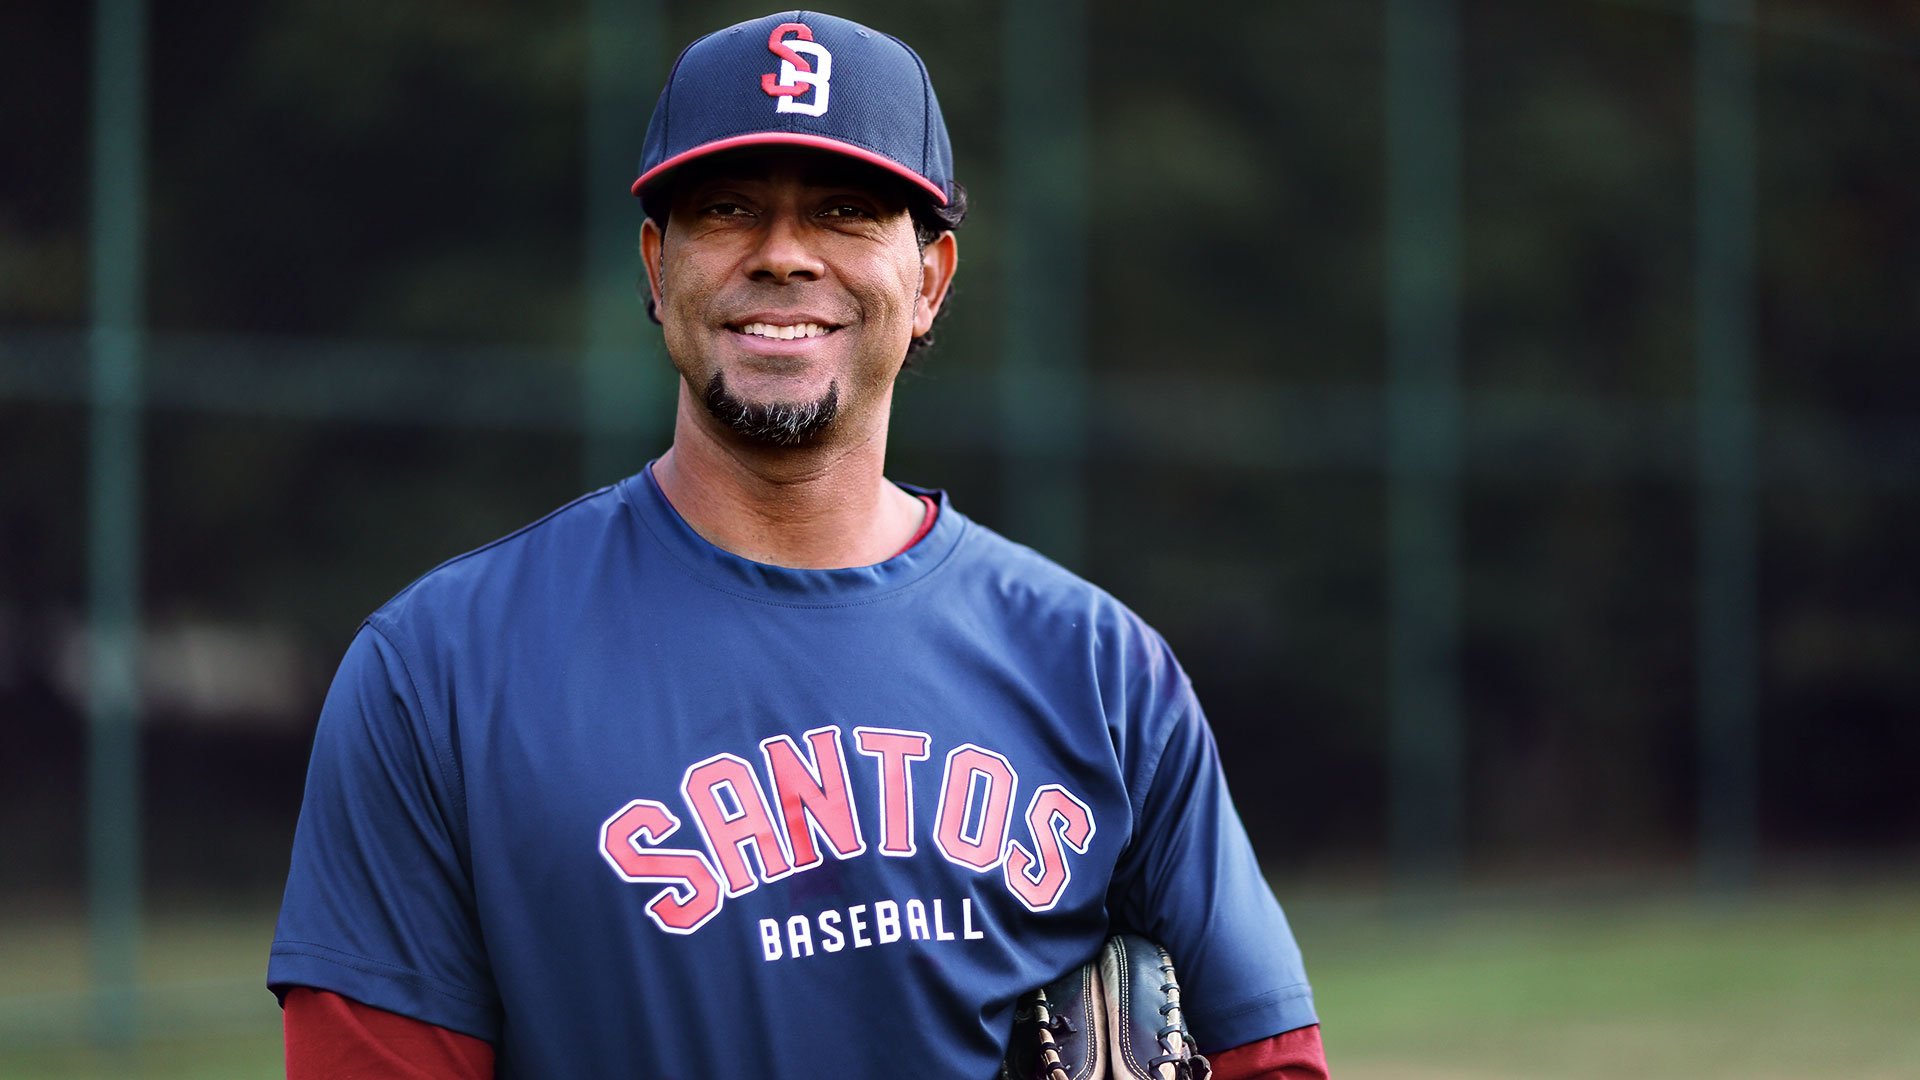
(756, 764)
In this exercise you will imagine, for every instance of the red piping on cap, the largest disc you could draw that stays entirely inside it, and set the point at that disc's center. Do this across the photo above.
(789, 138)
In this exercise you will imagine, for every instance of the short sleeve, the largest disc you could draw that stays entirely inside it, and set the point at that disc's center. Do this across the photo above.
(379, 904)
(1189, 880)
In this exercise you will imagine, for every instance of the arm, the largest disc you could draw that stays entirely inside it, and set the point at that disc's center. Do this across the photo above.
(1191, 882)
(378, 907)
(331, 1036)
(1290, 1055)
(1189, 878)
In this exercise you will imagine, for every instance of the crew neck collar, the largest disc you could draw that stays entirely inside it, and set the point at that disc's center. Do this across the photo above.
(722, 569)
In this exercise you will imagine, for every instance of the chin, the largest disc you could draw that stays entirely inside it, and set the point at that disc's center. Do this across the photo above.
(777, 423)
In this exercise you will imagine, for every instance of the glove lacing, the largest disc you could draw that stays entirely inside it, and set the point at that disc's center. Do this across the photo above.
(1188, 1064)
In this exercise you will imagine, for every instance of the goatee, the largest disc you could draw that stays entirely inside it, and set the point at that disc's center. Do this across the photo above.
(781, 423)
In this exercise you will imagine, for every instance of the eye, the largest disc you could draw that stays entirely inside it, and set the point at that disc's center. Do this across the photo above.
(847, 211)
(724, 210)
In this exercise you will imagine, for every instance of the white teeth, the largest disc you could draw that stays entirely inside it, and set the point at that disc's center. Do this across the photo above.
(784, 333)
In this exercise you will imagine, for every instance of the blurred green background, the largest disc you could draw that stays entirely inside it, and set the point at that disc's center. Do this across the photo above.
(1508, 410)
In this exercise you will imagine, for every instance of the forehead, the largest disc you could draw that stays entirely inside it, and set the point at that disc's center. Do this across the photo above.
(786, 164)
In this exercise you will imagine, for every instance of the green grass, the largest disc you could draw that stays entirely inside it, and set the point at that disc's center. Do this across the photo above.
(204, 1009)
(1786, 984)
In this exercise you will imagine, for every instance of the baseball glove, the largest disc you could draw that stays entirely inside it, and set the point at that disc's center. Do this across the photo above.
(1116, 1017)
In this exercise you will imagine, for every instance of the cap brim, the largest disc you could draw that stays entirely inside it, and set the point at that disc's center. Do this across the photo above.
(792, 138)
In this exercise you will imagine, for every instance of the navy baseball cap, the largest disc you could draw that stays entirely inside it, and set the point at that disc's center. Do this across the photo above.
(800, 78)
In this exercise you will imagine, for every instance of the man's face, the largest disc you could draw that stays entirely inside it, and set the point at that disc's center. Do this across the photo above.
(788, 284)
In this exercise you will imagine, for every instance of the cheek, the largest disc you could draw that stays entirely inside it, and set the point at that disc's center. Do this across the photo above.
(684, 290)
(681, 307)
(902, 290)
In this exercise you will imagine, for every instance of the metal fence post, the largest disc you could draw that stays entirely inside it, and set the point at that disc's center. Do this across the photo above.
(117, 269)
(1423, 422)
(621, 411)
(1725, 209)
(1043, 376)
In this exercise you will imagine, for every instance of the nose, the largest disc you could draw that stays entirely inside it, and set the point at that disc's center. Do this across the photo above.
(784, 253)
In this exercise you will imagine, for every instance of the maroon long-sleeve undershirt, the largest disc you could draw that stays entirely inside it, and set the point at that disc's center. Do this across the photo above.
(329, 1037)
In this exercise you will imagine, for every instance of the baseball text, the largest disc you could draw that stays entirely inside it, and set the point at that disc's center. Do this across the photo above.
(753, 832)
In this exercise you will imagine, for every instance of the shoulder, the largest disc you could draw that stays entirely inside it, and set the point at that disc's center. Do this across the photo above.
(1020, 575)
(1058, 604)
(524, 563)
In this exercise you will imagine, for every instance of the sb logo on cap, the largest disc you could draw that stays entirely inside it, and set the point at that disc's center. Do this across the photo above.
(797, 75)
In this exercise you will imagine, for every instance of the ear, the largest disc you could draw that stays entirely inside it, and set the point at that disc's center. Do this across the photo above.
(938, 261)
(651, 239)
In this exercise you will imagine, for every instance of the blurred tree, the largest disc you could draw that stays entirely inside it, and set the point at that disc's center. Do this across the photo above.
(330, 174)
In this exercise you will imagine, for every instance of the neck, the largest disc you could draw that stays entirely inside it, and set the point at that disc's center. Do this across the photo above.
(815, 507)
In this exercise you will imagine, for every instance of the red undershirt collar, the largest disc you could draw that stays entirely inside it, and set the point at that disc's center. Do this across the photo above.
(926, 525)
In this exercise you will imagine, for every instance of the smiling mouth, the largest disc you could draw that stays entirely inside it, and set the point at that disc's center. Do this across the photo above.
(784, 333)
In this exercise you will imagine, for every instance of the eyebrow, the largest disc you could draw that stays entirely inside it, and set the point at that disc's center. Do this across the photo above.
(821, 171)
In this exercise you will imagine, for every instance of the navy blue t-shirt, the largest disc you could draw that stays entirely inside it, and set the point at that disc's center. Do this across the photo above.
(625, 804)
